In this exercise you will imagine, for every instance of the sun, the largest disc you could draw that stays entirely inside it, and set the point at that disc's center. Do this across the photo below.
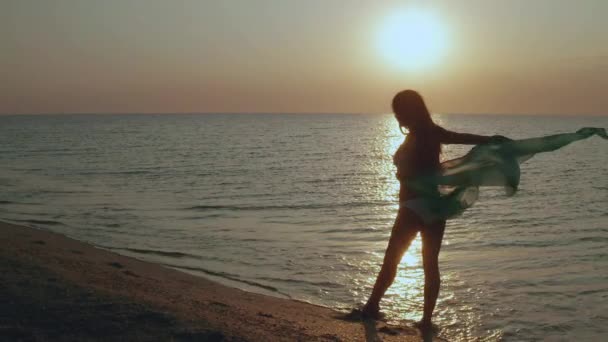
(412, 39)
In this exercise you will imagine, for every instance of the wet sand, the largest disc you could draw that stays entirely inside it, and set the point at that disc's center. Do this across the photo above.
(56, 288)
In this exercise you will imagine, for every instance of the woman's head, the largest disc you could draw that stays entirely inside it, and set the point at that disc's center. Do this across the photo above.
(410, 110)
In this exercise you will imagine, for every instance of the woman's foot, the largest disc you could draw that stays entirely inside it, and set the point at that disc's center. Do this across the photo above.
(426, 326)
(371, 311)
(365, 312)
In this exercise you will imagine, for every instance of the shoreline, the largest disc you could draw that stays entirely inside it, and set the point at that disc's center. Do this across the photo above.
(58, 288)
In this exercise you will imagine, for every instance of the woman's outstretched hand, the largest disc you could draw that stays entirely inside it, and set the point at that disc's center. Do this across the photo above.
(589, 131)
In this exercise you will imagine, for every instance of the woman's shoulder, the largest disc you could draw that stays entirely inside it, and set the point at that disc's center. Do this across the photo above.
(439, 130)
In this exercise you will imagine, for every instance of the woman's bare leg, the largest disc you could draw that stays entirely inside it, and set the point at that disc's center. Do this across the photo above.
(432, 236)
(404, 231)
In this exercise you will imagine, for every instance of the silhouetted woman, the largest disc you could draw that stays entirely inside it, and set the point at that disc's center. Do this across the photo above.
(417, 156)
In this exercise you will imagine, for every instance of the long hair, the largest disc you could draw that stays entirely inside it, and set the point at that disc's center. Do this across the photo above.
(411, 111)
(412, 114)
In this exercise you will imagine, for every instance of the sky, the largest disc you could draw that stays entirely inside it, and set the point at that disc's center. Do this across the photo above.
(288, 56)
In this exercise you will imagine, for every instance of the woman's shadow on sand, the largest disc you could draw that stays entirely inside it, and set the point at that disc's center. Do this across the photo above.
(375, 330)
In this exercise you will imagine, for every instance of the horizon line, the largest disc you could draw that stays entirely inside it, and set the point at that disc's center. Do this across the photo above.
(298, 113)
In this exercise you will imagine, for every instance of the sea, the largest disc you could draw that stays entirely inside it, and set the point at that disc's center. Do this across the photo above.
(301, 206)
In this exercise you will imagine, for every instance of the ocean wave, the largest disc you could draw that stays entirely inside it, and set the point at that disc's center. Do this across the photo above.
(523, 244)
(322, 284)
(18, 203)
(292, 207)
(593, 239)
(131, 172)
(592, 292)
(171, 254)
(201, 217)
(27, 169)
(229, 276)
(44, 222)
(349, 230)
(51, 191)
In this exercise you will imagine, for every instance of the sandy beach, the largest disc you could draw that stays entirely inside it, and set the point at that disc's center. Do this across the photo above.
(57, 288)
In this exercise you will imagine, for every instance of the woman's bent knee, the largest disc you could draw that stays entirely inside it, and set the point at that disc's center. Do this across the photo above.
(431, 272)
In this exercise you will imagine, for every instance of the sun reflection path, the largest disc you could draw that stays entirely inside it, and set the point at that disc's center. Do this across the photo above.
(406, 295)
(404, 299)
(392, 140)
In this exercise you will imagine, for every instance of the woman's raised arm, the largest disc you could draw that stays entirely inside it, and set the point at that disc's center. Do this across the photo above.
(449, 137)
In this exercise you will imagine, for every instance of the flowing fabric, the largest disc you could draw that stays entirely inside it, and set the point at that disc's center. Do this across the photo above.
(491, 164)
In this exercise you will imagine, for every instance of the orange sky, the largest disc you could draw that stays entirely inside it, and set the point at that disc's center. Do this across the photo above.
(125, 56)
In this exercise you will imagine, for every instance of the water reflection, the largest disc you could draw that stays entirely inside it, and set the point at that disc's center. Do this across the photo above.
(406, 294)
(404, 299)
(391, 141)
(412, 257)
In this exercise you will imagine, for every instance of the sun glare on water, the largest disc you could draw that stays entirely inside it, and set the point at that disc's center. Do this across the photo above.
(412, 39)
